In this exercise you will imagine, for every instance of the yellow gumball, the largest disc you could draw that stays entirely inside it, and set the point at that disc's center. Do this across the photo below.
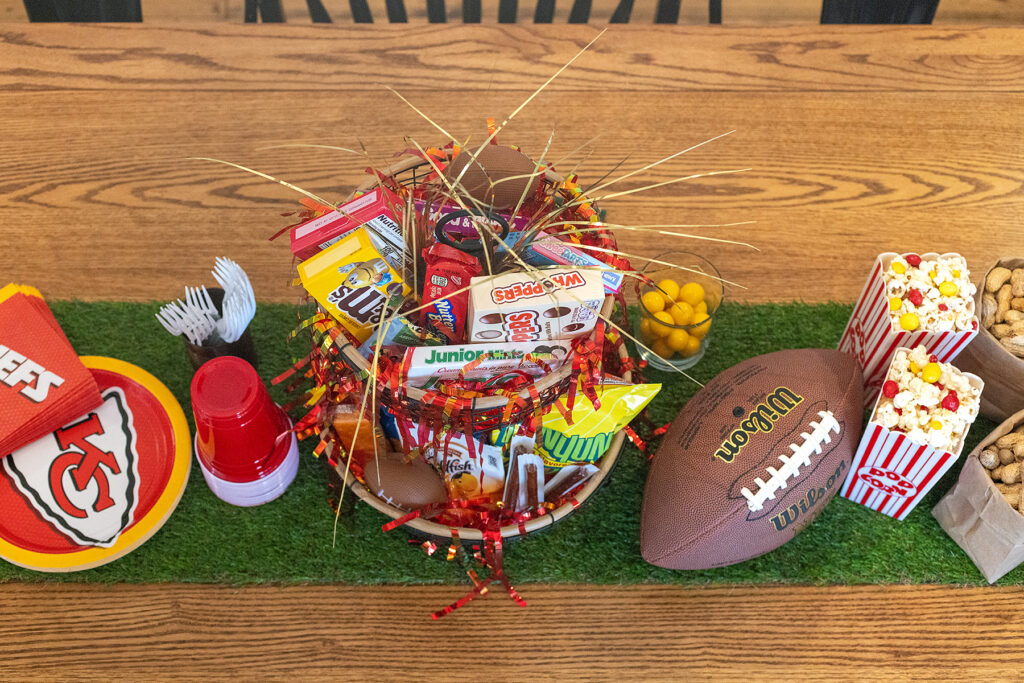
(653, 301)
(692, 293)
(692, 347)
(669, 288)
(895, 303)
(660, 324)
(701, 328)
(645, 329)
(931, 373)
(898, 267)
(936, 424)
(948, 288)
(909, 321)
(913, 367)
(681, 312)
(677, 340)
(661, 348)
(700, 310)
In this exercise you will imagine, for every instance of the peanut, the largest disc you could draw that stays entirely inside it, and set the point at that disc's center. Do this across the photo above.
(989, 459)
(988, 310)
(1003, 297)
(1013, 316)
(1006, 456)
(997, 473)
(1012, 496)
(1009, 440)
(1017, 281)
(1000, 330)
(1010, 473)
(1017, 303)
(997, 277)
(1014, 345)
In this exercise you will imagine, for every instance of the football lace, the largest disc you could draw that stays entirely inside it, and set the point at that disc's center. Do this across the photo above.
(821, 434)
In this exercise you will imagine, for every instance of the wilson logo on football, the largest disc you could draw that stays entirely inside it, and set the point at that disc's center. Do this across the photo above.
(83, 478)
(530, 289)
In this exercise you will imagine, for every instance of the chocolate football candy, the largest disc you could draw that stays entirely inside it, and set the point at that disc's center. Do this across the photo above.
(752, 458)
(498, 177)
(407, 485)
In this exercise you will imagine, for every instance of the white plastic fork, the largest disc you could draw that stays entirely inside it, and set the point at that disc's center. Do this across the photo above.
(239, 305)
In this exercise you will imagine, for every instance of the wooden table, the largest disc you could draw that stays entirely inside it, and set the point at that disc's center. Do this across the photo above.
(860, 140)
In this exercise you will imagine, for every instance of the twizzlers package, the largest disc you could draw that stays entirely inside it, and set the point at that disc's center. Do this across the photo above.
(448, 271)
(557, 303)
(910, 300)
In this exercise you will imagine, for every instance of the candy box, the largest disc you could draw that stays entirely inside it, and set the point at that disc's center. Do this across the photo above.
(871, 337)
(892, 472)
(558, 303)
(426, 366)
(377, 211)
(352, 281)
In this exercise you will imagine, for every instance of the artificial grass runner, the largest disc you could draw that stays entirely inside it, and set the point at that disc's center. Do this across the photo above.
(292, 539)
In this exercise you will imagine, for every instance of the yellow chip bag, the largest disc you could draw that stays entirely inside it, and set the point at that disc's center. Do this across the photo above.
(592, 431)
(352, 281)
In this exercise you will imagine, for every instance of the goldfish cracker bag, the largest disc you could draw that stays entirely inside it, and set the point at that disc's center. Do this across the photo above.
(591, 433)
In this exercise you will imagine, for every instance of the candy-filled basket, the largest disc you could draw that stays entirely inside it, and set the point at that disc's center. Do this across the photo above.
(467, 374)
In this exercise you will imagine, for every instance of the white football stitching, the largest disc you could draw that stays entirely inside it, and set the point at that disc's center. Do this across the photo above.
(812, 443)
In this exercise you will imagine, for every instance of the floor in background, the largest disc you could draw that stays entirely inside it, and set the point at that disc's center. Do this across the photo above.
(734, 12)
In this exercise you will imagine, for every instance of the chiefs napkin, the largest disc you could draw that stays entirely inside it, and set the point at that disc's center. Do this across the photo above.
(43, 385)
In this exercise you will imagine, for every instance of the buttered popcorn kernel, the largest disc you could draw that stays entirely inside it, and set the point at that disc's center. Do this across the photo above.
(932, 403)
(933, 294)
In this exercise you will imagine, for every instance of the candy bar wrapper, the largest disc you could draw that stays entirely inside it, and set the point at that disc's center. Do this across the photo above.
(400, 332)
(556, 303)
(352, 281)
(467, 477)
(891, 473)
(376, 211)
(547, 251)
(976, 516)
(870, 337)
(448, 271)
(567, 480)
(426, 366)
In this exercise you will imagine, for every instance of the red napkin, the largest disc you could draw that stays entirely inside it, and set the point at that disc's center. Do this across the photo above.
(43, 384)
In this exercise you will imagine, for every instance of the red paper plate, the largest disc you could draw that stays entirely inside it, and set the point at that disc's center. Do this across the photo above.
(99, 487)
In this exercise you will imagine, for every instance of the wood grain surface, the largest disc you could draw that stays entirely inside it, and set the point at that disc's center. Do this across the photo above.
(859, 140)
(566, 633)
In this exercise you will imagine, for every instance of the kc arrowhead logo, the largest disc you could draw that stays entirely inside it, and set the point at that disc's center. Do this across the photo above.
(83, 478)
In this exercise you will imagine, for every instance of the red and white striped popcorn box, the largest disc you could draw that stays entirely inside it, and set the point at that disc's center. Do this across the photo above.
(891, 473)
(870, 337)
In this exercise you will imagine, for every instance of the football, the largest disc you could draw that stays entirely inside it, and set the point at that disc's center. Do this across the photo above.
(499, 177)
(752, 459)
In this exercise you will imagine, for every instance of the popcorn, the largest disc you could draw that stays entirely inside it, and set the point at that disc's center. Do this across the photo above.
(934, 294)
(934, 403)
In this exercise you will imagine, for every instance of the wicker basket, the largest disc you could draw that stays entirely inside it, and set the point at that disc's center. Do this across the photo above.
(441, 531)
(487, 412)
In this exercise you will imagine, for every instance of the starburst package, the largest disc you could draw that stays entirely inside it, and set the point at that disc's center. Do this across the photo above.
(352, 281)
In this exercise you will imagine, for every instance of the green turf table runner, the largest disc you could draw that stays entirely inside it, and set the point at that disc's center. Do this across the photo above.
(294, 539)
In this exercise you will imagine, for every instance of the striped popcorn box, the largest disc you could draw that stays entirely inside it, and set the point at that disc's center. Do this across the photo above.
(875, 329)
(892, 471)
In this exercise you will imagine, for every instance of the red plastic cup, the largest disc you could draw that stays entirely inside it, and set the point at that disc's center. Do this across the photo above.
(237, 423)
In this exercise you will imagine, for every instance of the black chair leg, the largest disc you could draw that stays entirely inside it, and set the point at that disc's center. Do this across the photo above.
(580, 12)
(436, 13)
(83, 10)
(317, 12)
(622, 12)
(878, 11)
(396, 11)
(668, 12)
(714, 11)
(360, 11)
(471, 11)
(507, 11)
(544, 13)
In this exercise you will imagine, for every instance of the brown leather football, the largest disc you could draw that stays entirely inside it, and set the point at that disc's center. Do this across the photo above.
(752, 459)
(499, 177)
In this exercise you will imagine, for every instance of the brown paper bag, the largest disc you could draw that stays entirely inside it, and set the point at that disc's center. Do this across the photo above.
(979, 519)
